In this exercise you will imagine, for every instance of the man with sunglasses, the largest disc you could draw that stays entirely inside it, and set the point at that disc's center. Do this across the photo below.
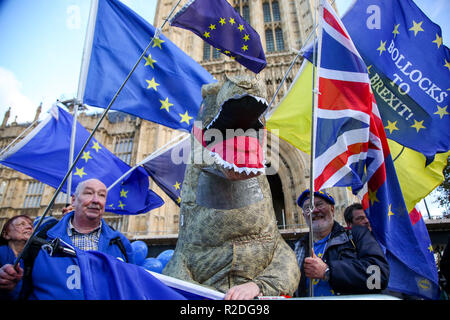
(342, 262)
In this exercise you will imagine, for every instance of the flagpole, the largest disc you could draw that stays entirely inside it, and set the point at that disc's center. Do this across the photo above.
(72, 149)
(87, 49)
(52, 201)
(268, 111)
(315, 93)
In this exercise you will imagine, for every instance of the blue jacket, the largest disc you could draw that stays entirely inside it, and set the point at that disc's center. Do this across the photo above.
(58, 277)
(7, 256)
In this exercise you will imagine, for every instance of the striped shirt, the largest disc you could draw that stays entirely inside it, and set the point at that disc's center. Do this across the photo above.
(84, 241)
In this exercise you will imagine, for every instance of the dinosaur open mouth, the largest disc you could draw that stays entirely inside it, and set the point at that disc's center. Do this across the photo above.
(236, 136)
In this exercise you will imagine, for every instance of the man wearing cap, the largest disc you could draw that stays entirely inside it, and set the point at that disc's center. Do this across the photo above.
(342, 262)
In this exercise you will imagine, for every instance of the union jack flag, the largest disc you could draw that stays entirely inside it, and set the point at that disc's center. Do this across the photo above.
(351, 150)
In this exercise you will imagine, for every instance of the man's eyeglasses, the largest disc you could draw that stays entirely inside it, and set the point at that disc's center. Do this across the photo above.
(319, 206)
(22, 225)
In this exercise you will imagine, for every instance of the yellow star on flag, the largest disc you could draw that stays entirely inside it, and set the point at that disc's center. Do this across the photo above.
(418, 125)
(165, 104)
(86, 156)
(241, 27)
(416, 27)
(441, 111)
(178, 200)
(246, 37)
(231, 21)
(447, 64)
(373, 197)
(123, 193)
(390, 213)
(244, 47)
(395, 32)
(222, 21)
(152, 84)
(80, 172)
(391, 126)
(96, 146)
(382, 47)
(121, 205)
(177, 185)
(149, 61)
(111, 206)
(438, 40)
(430, 248)
(206, 34)
(212, 26)
(185, 117)
(157, 42)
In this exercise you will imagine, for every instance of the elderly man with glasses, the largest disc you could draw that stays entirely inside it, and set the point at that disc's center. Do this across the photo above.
(342, 261)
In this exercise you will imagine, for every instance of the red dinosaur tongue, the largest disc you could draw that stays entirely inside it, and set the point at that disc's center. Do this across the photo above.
(241, 153)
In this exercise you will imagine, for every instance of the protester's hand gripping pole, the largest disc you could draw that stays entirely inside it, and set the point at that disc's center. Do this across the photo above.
(52, 201)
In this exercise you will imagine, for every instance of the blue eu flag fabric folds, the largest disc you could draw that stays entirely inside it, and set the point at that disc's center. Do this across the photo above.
(104, 277)
(217, 23)
(406, 241)
(409, 70)
(165, 87)
(168, 168)
(43, 155)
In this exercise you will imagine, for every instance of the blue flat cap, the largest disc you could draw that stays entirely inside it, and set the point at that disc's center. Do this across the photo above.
(322, 194)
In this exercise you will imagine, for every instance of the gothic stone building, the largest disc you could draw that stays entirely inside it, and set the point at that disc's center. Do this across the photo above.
(283, 26)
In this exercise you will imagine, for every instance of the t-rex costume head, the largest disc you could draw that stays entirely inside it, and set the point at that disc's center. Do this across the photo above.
(228, 233)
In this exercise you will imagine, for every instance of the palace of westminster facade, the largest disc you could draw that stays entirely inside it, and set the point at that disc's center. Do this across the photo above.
(283, 26)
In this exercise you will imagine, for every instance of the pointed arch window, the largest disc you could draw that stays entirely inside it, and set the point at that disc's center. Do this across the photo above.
(270, 46)
(279, 39)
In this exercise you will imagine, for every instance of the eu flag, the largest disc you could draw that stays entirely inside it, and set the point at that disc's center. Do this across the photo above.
(409, 71)
(43, 155)
(167, 169)
(217, 23)
(165, 87)
(406, 241)
(104, 277)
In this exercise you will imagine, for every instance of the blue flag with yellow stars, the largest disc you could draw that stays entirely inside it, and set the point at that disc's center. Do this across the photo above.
(167, 169)
(217, 23)
(409, 69)
(165, 87)
(43, 155)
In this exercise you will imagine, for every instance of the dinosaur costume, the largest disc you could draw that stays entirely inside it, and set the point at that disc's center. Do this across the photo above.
(228, 233)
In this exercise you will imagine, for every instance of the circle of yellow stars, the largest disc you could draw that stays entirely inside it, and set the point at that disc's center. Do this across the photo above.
(208, 33)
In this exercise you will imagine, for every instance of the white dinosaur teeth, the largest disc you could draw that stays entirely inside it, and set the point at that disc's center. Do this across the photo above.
(261, 100)
(228, 165)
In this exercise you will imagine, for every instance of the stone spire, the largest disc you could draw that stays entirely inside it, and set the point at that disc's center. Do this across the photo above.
(38, 112)
(6, 118)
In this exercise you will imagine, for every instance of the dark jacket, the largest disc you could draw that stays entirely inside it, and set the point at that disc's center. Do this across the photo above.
(348, 254)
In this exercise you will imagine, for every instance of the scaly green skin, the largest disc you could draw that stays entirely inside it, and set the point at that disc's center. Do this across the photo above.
(223, 248)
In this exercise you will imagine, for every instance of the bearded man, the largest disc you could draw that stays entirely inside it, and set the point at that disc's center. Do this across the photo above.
(342, 262)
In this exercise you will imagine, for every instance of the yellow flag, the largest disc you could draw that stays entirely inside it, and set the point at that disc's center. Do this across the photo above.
(416, 180)
(291, 121)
